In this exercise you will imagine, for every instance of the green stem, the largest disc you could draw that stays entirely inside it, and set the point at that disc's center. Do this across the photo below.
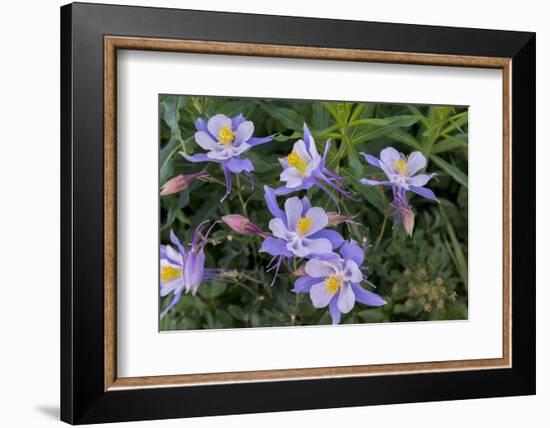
(240, 196)
(379, 239)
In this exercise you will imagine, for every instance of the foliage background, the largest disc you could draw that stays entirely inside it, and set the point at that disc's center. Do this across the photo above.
(421, 278)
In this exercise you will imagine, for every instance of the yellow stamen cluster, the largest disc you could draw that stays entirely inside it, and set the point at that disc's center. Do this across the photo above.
(169, 273)
(226, 135)
(333, 283)
(296, 161)
(304, 225)
(401, 166)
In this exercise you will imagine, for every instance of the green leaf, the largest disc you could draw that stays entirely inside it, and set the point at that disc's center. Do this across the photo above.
(382, 127)
(373, 194)
(452, 170)
(234, 108)
(371, 315)
(288, 118)
(169, 110)
(404, 138)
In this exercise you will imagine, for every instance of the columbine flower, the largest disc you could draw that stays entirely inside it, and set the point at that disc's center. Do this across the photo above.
(180, 182)
(299, 230)
(243, 225)
(336, 283)
(183, 270)
(225, 140)
(304, 168)
(400, 171)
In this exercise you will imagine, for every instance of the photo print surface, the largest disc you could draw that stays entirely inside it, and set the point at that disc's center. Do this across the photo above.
(277, 213)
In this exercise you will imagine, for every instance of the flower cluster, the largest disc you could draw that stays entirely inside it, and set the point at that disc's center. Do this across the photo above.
(332, 268)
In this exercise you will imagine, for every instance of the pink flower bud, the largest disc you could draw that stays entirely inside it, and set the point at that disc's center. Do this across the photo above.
(407, 216)
(180, 182)
(335, 218)
(242, 225)
(301, 271)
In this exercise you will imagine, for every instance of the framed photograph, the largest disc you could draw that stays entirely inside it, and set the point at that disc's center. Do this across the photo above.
(267, 213)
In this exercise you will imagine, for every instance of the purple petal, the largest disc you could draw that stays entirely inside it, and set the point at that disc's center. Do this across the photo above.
(303, 284)
(415, 162)
(171, 305)
(425, 193)
(194, 269)
(367, 297)
(238, 165)
(306, 205)
(306, 184)
(175, 240)
(335, 313)
(236, 121)
(228, 182)
(275, 247)
(352, 251)
(308, 138)
(272, 206)
(334, 237)
(346, 299)
(371, 160)
(200, 124)
(256, 141)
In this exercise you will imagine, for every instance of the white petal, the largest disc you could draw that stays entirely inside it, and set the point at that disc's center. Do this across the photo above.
(320, 296)
(293, 210)
(352, 272)
(292, 176)
(301, 150)
(244, 132)
(320, 268)
(278, 228)
(319, 220)
(415, 162)
(205, 141)
(221, 155)
(217, 122)
(346, 299)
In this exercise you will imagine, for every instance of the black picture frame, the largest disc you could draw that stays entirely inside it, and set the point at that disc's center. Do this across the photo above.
(83, 396)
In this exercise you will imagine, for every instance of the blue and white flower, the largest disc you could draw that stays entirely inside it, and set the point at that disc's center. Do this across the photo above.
(336, 283)
(298, 230)
(183, 271)
(304, 168)
(225, 140)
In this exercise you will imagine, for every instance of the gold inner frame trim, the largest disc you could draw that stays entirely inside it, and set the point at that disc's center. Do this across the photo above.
(113, 43)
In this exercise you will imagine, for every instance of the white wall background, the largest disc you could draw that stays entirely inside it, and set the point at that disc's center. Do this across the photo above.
(29, 213)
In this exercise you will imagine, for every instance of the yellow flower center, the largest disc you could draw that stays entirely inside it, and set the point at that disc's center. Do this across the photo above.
(296, 161)
(304, 225)
(226, 135)
(169, 273)
(401, 166)
(333, 283)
